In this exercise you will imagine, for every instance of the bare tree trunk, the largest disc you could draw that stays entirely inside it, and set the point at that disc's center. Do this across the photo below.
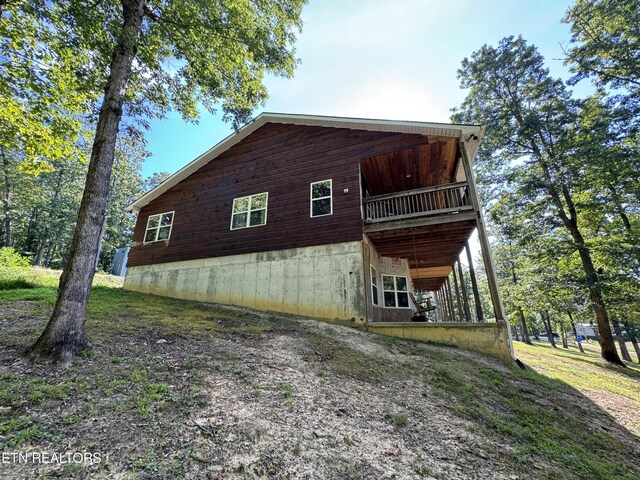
(33, 221)
(565, 344)
(523, 327)
(464, 293)
(547, 325)
(64, 337)
(43, 244)
(7, 198)
(100, 238)
(620, 338)
(634, 342)
(51, 251)
(457, 290)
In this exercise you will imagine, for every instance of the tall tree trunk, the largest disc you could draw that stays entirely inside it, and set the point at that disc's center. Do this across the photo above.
(43, 244)
(523, 327)
(620, 338)
(565, 344)
(64, 336)
(634, 342)
(575, 331)
(29, 236)
(547, 325)
(51, 250)
(7, 198)
(570, 221)
(464, 293)
(100, 238)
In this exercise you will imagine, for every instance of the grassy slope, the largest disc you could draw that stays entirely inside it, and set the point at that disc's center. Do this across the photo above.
(238, 394)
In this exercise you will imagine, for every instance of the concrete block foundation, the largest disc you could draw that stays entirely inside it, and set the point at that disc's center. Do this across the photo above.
(324, 281)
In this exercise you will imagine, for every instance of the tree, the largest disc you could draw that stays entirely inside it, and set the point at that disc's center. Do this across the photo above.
(529, 118)
(158, 55)
(155, 179)
(606, 42)
(40, 98)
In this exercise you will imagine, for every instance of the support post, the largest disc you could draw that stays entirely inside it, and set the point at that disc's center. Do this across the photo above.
(452, 313)
(436, 296)
(458, 299)
(474, 284)
(463, 291)
(482, 237)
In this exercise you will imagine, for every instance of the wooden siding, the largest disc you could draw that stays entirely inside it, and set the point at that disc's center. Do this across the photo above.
(282, 160)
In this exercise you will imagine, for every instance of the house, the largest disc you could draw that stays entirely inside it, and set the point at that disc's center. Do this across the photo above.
(338, 218)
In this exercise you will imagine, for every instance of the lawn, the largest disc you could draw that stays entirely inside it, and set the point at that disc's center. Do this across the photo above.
(178, 389)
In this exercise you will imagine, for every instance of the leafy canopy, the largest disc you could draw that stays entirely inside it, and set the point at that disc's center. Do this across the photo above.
(605, 38)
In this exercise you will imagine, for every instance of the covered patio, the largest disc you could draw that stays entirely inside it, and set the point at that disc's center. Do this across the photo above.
(420, 206)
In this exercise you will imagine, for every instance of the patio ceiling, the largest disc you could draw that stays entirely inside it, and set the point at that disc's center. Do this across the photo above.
(433, 163)
(430, 249)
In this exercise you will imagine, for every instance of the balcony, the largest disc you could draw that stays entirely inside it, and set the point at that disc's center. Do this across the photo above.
(441, 200)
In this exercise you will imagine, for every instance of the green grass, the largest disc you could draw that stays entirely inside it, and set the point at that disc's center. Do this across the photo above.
(15, 284)
(595, 374)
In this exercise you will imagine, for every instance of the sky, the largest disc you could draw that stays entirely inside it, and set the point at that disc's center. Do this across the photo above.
(384, 59)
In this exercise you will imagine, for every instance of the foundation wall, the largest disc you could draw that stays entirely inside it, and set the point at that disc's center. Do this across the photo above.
(488, 338)
(323, 281)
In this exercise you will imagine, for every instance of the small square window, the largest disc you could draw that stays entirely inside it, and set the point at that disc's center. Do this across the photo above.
(396, 293)
(321, 198)
(249, 211)
(158, 227)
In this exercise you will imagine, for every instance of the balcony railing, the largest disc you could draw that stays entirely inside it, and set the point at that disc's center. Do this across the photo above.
(439, 200)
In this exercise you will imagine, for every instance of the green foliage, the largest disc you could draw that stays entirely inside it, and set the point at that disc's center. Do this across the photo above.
(41, 87)
(398, 419)
(9, 258)
(605, 42)
(190, 52)
(557, 179)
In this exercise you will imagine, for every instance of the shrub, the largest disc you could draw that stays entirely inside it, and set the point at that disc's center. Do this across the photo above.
(9, 258)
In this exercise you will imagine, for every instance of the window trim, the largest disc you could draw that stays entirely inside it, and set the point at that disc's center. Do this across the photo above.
(395, 292)
(311, 199)
(266, 209)
(374, 276)
(157, 229)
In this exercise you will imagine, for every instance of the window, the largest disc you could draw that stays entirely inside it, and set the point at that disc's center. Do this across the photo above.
(158, 227)
(374, 286)
(249, 211)
(396, 294)
(321, 202)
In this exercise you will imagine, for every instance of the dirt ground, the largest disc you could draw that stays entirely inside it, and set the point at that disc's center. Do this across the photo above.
(265, 396)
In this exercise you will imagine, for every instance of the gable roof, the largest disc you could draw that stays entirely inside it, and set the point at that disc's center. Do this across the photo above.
(473, 132)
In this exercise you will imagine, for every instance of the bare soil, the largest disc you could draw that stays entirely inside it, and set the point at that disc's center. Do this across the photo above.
(277, 397)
